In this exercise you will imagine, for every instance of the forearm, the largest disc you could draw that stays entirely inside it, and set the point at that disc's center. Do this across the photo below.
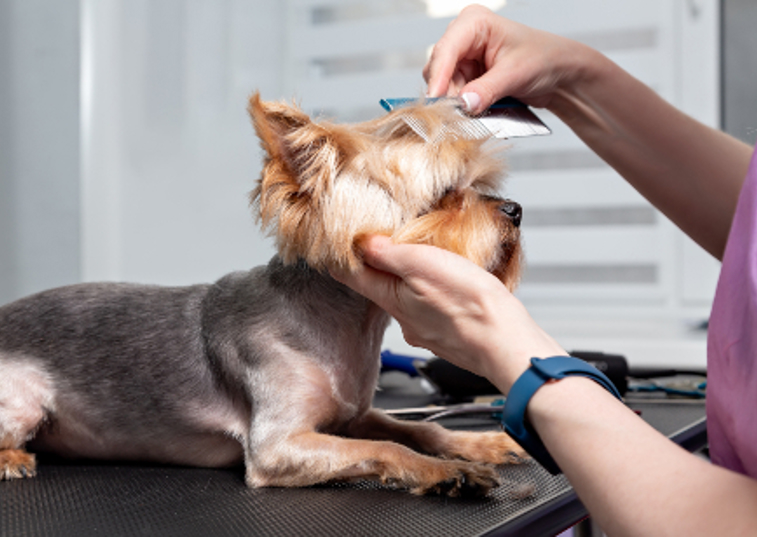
(689, 171)
(632, 479)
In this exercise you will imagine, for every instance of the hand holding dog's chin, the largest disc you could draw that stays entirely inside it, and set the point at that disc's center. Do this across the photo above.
(452, 307)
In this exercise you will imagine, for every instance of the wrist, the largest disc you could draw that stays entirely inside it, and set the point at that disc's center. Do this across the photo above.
(587, 71)
(511, 365)
(508, 356)
(542, 371)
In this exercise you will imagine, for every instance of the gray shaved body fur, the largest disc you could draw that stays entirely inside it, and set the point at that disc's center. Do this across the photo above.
(170, 373)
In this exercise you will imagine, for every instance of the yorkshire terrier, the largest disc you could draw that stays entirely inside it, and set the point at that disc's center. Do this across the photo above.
(275, 367)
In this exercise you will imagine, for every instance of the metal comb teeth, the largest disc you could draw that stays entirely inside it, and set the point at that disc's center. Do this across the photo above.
(465, 127)
(507, 118)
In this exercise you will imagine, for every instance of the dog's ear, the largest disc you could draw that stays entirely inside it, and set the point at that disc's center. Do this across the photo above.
(273, 122)
(302, 159)
(310, 152)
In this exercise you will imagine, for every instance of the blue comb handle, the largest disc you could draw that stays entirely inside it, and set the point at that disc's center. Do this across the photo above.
(391, 104)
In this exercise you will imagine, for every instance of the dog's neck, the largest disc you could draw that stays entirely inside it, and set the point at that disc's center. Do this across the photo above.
(330, 322)
(323, 299)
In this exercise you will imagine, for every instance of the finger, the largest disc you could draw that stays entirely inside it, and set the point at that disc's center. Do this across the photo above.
(437, 73)
(513, 70)
(480, 93)
(466, 71)
(377, 286)
(381, 253)
(469, 70)
(460, 41)
(431, 64)
(489, 86)
(416, 265)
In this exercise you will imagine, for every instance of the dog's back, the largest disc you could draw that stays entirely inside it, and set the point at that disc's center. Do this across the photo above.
(127, 371)
(113, 371)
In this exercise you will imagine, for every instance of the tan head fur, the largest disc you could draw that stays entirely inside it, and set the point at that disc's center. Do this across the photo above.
(325, 186)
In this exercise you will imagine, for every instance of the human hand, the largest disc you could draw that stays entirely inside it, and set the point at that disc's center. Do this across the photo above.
(483, 57)
(454, 308)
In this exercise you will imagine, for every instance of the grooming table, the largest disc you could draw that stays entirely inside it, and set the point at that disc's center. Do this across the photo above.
(82, 498)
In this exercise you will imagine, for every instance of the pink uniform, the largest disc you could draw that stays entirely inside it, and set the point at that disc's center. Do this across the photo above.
(732, 343)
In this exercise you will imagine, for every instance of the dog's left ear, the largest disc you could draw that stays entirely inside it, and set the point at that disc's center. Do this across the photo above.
(302, 159)
(310, 153)
(273, 121)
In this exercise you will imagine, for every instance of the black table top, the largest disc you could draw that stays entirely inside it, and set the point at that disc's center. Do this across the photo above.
(85, 498)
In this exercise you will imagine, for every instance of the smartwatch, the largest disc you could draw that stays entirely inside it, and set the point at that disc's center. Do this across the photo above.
(543, 370)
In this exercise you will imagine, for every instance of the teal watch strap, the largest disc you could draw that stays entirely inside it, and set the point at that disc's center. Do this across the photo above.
(541, 371)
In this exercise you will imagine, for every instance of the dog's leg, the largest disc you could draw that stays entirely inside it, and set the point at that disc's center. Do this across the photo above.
(25, 393)
(16, 463)
(432, 438)
(308, 458)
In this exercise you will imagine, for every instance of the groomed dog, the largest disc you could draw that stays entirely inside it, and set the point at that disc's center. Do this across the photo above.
(275, 367)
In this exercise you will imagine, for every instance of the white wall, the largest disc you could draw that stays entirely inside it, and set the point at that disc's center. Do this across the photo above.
(168, 150)
(39, 156)
(126, 152)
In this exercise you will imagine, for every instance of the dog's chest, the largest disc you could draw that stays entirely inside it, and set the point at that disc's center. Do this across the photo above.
(312, 345)
(321, 387)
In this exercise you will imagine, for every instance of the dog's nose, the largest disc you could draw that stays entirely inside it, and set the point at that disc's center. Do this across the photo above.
(513, 211)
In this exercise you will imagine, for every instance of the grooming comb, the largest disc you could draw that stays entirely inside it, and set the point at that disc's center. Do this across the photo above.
(507, 118)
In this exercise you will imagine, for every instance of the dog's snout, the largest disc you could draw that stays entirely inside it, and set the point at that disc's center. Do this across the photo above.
(513, 211)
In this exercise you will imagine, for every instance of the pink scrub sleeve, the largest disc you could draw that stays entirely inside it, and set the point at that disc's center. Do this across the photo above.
(732, 343)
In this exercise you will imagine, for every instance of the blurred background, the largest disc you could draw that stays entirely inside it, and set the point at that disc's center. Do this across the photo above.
(126, 152)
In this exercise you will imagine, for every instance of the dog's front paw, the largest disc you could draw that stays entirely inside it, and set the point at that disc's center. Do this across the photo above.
(459, 478)
(489, 447)
(17, 464)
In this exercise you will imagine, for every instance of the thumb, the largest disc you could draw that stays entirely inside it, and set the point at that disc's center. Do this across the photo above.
(482, 92)
(405, 261)
(375, 285)
(380, 252)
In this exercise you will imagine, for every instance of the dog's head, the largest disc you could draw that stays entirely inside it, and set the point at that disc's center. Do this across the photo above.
(324, 187)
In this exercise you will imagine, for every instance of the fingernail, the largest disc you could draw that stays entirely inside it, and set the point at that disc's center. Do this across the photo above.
(472, 101)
